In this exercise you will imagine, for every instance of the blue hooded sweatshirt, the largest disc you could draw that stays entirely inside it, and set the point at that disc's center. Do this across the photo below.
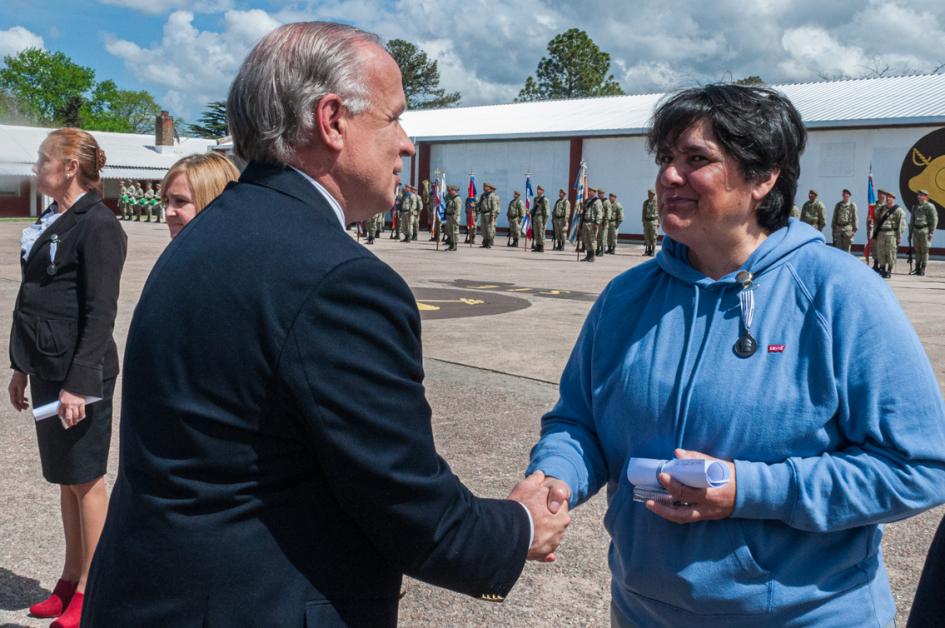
(836, 425)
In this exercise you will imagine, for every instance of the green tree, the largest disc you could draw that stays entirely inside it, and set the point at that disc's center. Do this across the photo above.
(575, 67)
(48, 88)
(119, 110)
(751, 80)
(421, 77)
(212, 122)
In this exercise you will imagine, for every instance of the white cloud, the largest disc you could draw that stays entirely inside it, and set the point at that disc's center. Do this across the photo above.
(486, 49)
(193, 66)
(158, 7)
(15, 39)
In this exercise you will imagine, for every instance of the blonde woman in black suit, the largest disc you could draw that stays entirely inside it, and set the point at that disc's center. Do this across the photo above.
(61, 342)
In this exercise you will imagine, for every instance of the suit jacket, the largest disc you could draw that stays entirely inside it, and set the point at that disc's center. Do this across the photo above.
(63, 321)
(277, 465)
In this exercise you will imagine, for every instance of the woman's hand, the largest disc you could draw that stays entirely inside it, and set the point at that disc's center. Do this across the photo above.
(704, 504)
(17, 390)
(71, 408)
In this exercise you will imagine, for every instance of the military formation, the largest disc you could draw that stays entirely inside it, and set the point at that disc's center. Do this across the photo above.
(886, 226)
(135, 201)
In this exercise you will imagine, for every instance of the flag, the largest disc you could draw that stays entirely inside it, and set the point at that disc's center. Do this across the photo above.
(441, 198)
(871, 212)
(527, 221)
(470, 214)
(580, 187)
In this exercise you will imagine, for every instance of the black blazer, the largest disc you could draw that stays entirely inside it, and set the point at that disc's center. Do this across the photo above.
(63, 321)
(277, 464)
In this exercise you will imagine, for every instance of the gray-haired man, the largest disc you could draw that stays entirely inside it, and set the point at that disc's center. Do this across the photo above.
(255, 489)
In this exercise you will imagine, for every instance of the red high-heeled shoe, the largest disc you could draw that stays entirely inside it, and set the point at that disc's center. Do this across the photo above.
(73, 614)
(55, 604)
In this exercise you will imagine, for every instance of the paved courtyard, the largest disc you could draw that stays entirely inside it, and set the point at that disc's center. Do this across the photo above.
(498, 327)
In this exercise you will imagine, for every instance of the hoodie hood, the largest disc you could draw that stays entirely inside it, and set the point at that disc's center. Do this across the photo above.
(674, 256)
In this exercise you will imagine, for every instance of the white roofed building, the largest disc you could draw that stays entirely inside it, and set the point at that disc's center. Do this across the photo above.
(131, 156)
(894, 126)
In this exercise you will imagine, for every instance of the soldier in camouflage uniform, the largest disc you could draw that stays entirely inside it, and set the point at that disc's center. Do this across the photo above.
(378, 224)
(604, 219)
(795, 211)
(454, 211)
(813, 212)
(404, 221)
(843, 224)
(148, 205)
(922, 227)
(416, 207)
(871, 223)
(122, 199)
(369, 227)
(137, 198)
(613, 225)
(590, 225)
(515, 214)
(488, 209)
(651, 223)
(890, 220)
(540, 219)
(559, 218)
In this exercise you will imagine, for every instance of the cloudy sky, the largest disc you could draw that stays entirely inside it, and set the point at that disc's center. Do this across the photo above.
(186, 52)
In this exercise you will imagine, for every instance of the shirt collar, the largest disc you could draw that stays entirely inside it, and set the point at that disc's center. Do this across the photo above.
(335, 206)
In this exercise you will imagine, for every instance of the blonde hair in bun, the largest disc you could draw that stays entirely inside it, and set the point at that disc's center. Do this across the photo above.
(81, 146)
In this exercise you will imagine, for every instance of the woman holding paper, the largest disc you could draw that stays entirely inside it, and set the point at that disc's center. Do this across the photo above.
(61, 341)
(748, 341)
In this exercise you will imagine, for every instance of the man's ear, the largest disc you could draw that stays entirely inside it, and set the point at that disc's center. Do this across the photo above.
(331, 122)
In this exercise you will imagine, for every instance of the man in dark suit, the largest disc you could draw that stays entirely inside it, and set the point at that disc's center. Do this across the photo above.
(259, 484)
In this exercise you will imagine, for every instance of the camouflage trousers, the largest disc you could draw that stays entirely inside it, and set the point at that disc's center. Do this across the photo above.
(560, 225)
(515, 228)
(403, 222)
(650, 232)
(414, 225)
(538, 231)
(613, 230)
(488, 228)
(920, 244)
(589, 232)
(885, 253)
(452, 230)
(843, 240)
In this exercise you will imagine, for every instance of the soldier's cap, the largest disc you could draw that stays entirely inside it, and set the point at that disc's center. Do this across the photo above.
(601, 191)
(452, 188)
(881, 191)
(613, 194)
(814, 192)
(486, 184)
(846, 191)
(591, 189)
(516, 193)
(651, 191)
(922, 191)
(540, 189)
(561, 191)
(890, 194)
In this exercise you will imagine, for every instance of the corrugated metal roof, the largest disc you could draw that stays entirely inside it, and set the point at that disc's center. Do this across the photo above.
(898, 100)
(19, 145)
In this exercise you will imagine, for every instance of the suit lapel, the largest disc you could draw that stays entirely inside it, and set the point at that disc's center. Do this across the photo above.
(286, 180)
(64, 223)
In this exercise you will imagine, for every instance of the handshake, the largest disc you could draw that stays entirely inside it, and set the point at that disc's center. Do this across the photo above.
(546, 499)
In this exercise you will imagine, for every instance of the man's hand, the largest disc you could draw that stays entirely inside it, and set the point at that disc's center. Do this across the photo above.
(704, 504)
(549, 527)
(71, 408)
(17, 390)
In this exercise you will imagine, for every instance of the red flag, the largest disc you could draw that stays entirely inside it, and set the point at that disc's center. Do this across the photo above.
(470, 215)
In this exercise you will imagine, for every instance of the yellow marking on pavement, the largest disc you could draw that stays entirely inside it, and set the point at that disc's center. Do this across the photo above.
(519, 290)
(464, 301)
(553, 292)
(483, 286)
(423, 307)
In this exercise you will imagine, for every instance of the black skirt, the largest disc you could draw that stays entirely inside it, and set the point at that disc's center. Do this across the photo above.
(79, 454)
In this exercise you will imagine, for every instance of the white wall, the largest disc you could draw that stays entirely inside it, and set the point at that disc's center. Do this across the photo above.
(834, 160)
(504, 164)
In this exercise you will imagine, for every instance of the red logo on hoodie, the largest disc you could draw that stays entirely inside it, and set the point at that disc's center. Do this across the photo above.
(775, 348)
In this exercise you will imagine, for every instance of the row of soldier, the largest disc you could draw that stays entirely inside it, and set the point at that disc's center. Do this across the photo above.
(135, 200)
(600, 218)
(885, 227)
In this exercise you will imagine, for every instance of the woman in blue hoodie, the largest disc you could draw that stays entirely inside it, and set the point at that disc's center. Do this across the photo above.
(749, 341)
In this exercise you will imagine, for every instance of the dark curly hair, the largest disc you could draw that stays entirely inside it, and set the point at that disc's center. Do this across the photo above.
(757, 126)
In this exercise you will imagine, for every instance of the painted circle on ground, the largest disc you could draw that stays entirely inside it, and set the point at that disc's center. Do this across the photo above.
(435, 303)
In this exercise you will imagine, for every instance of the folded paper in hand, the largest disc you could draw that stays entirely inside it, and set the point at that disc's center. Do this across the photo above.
(52, 408)
(643, 473)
